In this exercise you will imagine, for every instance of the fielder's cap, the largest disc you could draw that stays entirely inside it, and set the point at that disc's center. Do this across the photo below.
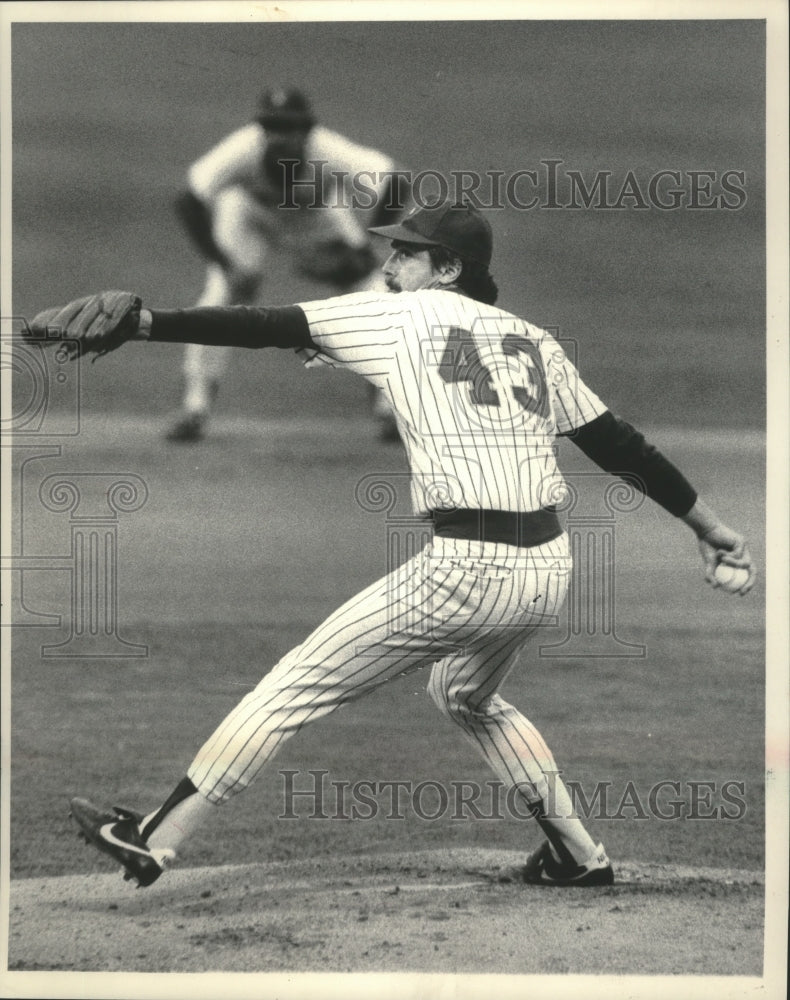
(286, 110)
(460, 228)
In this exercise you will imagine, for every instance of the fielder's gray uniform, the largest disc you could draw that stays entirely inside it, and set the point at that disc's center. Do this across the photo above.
(249, 220)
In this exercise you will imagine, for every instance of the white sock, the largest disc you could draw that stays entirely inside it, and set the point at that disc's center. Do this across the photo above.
(561, 821)
(196, 394)
(181, 821)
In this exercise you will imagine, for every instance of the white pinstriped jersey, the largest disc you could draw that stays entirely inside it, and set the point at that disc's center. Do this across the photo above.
(479, 394)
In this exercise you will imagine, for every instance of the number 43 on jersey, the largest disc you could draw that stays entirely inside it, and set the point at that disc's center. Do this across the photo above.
(507, 373)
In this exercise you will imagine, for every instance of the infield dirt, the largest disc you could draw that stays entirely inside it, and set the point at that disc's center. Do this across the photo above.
(416, 912)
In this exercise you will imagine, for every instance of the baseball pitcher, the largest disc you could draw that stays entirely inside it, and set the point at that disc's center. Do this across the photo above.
(480, 396)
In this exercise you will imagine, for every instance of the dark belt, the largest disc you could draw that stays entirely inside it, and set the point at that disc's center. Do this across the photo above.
(525, 529)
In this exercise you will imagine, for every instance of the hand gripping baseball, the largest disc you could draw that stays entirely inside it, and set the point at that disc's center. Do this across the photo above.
(725, 554)
(96, 324)
(722, 548)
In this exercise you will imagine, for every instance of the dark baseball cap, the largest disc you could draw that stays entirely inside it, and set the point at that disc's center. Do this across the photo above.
(460, 228)
(286, 110)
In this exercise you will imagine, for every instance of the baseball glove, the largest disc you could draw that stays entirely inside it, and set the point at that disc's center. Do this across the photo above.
(96, 324)
(336, 262)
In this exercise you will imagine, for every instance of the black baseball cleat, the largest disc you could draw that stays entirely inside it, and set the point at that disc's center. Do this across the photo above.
(543, 868)
(117, 833)
(188, 429)
(388, 429)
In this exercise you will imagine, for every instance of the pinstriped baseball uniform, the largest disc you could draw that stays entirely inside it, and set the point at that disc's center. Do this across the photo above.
(480, 396)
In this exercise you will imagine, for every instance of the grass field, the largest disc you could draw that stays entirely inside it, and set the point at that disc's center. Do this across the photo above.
(108, 117)
(247, 542)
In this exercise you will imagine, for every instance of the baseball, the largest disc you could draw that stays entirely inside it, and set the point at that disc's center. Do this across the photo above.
(730, 578)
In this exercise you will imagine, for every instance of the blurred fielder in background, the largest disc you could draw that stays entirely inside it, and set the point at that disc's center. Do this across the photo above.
(287, 185)
(480, 396)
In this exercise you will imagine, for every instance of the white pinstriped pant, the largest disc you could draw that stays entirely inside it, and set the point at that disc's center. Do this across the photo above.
(464, 607)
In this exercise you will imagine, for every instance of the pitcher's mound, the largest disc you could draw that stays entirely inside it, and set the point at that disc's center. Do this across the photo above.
(455, 911)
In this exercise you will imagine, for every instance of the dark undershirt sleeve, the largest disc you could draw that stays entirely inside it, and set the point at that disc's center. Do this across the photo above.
(232, 326)
(620, 449)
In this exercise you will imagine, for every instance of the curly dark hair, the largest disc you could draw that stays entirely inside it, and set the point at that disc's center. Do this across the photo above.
(474, 280)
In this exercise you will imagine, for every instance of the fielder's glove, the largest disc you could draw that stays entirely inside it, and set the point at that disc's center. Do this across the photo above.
(96, 324)
(336, 262)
